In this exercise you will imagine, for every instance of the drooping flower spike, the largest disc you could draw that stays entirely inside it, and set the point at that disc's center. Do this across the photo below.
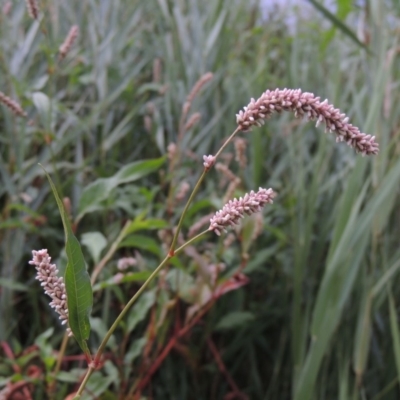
(306, 104)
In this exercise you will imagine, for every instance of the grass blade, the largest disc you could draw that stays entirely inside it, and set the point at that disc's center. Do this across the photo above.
(338, 23)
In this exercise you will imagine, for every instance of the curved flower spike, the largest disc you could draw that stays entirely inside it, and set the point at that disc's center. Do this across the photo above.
(306, 104)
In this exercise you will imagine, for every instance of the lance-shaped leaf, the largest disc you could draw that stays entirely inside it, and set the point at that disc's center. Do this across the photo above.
(77, 281)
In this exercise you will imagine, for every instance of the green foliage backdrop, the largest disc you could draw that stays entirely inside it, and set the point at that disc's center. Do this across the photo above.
(316, 313)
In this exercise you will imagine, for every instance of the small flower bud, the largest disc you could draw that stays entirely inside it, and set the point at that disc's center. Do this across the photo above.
(209, 161)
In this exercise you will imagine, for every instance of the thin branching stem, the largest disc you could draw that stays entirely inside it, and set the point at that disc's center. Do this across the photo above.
(106, 338)
(178, 229)
(172, 252)
(194, 192)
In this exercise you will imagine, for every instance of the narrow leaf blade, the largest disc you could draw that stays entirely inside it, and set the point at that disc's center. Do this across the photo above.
(394, 326)
(77, 281)
(79, 292)
(338, 23)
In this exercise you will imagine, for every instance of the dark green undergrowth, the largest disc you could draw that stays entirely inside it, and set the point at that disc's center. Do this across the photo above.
(304, 308)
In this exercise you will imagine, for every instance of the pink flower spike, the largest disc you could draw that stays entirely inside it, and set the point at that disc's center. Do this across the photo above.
(235, 209)
(310, 106)
(33, 8)
(52, 285)
(12, 105)
(68, 42)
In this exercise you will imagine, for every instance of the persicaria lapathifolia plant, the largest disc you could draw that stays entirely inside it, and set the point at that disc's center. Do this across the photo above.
(255, 114)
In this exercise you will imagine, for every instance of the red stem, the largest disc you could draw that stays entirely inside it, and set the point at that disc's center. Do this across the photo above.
(170, 345)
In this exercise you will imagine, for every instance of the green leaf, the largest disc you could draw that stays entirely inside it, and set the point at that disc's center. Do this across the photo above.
(46, 349)
(338, 23)
(79, 292)
(133, 277)
(348, 246)
(386, 277)
(146, 224)
(142, 242)
(394, 326)
(259, 260)
(97, 385)
(181, 282)
(139, 312)
(138, 169)
(72, 376)
(95, 242)
(344, 7)
(77, 281)
(235, 319)
(362, 337)
(135, 350)
(99, 327)
(95, 193)
(43, 105)
(11, 284)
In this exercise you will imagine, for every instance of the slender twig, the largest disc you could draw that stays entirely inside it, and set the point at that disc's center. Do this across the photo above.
(221, 366)
(194, 192)
(227, 141)
(171, 252)
(167, 349)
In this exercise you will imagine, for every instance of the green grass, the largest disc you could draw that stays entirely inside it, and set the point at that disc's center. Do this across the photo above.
(318, 318)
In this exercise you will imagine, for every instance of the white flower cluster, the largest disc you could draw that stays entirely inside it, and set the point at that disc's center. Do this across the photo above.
(53, 285)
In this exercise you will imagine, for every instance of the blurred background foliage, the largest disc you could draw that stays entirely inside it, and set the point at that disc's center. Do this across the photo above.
(304, 308)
